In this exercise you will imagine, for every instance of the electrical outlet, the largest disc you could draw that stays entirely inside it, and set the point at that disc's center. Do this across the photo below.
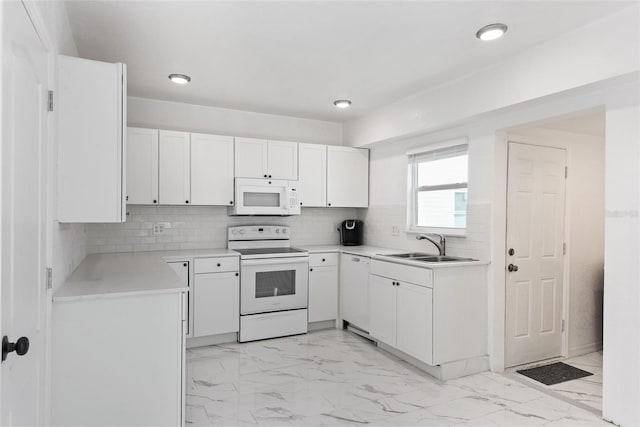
(158, 228)
(395, 230)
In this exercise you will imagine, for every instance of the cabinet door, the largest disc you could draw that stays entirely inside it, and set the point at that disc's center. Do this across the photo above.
(382, 309)
(415, 322)
(211, 169)
(312, 175)
(282, 160)
(323, 293)
(347, 177)
(142, 166)
(354, 290)
(251, 158)
(182, 270)
(174, 168)
(217, 304)
(91, 109)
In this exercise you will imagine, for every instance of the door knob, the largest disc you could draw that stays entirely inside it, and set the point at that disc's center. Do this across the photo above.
(511, 251)
(512, 267)
(21, 346)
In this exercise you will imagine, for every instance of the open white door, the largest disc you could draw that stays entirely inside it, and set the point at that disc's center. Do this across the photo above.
(535, 238)
(23, 217)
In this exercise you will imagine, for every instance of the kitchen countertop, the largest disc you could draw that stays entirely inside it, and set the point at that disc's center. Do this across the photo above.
(183, 254)
(362, 250)
(118, 274)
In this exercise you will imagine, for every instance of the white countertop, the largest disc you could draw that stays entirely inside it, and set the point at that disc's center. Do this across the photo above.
(362, 250)
(186, 254)
(118, 274)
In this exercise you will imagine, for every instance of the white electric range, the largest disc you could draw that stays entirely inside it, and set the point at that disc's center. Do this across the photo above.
(274, 282)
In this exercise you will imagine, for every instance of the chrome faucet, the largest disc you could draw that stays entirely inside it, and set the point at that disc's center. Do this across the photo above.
(442, 245)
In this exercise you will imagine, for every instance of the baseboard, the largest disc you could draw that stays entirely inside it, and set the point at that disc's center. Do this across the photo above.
(212, 340)
(585, 349)
(324, 324)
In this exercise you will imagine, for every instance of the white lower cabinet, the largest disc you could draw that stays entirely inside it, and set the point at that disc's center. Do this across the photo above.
(182, 270)
(216, 297)
(434, 315)
(323, 287)
(118, 360)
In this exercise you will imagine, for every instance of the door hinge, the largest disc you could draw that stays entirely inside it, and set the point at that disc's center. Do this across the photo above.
(564, 249)
(49, 277)
(566, 171)
(562, 325)
(50, 101)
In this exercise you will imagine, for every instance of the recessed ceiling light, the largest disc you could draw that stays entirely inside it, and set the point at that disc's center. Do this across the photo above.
(491, 32)
(342, 103)
(181, 79)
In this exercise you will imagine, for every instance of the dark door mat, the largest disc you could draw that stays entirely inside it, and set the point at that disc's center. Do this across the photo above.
(555, 373)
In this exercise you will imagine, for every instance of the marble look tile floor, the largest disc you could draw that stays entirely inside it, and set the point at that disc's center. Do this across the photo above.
(335, 378)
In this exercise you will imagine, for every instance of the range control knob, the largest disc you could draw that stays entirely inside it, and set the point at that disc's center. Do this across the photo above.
(234, 231)
(277, 231)
(242, 231)
(284, 231)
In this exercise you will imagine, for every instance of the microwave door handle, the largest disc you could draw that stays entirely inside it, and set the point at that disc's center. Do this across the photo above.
(275, 261)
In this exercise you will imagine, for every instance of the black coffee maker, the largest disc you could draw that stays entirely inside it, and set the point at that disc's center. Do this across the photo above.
(351, 231)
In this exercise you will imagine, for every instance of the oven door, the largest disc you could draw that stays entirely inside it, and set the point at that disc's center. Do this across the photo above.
(273, 284)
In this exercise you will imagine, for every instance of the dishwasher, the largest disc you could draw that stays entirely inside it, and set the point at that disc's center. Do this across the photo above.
(354, 290)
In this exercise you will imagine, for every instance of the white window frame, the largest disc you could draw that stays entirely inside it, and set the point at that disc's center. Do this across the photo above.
(413, 157)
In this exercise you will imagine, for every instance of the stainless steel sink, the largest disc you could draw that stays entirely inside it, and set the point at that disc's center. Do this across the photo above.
(437, 258)
(409, 255)
(417, 256)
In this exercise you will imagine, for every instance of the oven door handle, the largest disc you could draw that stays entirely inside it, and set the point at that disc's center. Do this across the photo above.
(275, 261)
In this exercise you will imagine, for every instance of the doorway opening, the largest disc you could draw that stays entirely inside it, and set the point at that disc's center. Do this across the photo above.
(555, 251)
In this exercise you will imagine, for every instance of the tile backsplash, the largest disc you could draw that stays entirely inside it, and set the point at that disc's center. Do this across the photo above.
(200, 227)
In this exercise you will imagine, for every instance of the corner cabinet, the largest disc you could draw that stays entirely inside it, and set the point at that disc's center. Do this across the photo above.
(90, 105)
(347, 177)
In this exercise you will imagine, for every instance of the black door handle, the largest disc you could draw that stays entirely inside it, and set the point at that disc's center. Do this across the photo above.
(21, 346)
(512, 267)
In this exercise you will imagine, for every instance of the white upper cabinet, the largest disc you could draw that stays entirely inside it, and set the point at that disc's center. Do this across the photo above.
(212, 169)
(251, 158)
(282, 160)
(312, 175)
(347, 177)
(174, 168)
(142, 166)
(91, 112)
(259, 158)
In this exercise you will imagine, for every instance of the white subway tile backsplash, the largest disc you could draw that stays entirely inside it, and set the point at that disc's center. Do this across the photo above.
(201, 227)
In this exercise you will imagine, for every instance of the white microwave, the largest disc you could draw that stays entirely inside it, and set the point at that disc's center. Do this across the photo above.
(265, 197)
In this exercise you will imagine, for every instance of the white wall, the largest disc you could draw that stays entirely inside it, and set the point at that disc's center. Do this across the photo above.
(202, 227)
(598, 51)
(153, 113)
(621, 388)
(585, 231)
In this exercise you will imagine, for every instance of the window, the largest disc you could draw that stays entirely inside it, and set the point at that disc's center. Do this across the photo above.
(438, 190)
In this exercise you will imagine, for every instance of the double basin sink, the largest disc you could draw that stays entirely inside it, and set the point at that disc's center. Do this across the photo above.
(421, 257)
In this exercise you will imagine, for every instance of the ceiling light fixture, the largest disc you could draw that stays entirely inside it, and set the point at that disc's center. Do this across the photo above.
(342, 103)
(491, 32)
(181, 79)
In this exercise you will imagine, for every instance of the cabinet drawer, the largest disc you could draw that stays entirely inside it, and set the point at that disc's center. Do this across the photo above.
(404, 273)
(323, 259)
(216, 265)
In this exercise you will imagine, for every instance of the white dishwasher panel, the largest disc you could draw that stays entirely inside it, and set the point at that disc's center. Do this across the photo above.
(354, 290)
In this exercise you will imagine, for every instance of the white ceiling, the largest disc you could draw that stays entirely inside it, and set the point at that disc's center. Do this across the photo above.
(296, 57)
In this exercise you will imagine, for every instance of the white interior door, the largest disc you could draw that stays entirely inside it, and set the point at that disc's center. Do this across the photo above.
(24, 100)
(535, 237)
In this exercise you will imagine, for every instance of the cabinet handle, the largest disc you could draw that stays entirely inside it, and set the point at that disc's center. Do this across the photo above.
(185, 264)
(155, 201)
(269, 176)
(311, 269)
(323, 260)
(329, 204)
(127, 198)
(237, 274)
(218, 264)
(186, 201)
(231, 202)
(300, 203)
(265, 175)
